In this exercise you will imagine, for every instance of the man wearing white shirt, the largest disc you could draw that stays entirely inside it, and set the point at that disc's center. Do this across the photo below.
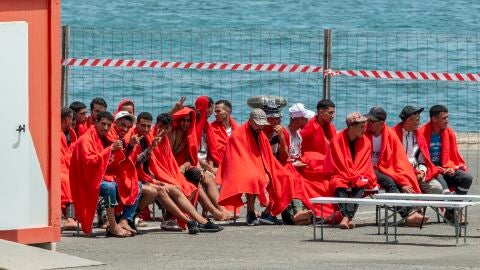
(417, 151)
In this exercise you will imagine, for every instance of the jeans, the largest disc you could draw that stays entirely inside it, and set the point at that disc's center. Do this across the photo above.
(349, 209)
(108, 190)
(461, 181)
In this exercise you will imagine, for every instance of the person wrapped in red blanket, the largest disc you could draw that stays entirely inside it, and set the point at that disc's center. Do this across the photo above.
(417, 151)
(158, 170)
(223, 126)
(442, 145)
(394, 172)
(348, 165)
(249, 167)
(100, 166)
(67, 140)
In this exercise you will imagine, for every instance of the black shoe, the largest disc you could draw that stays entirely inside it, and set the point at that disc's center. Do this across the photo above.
(268, 219)
(209, 227)
(193, 227)
(252, 219)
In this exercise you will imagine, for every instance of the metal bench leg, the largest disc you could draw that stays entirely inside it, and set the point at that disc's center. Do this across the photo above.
(465, 226)
(457, 224)
(235, 215)
(321, 222)
(385, 220)
(314, 227)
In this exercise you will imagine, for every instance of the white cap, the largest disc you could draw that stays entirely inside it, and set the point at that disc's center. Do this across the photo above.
(298, 110)
(122, 114)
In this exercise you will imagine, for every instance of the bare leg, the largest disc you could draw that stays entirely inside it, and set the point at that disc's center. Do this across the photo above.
(250, 203)
(148, 196)
(183, 203)
(207, 204)
(114, 228)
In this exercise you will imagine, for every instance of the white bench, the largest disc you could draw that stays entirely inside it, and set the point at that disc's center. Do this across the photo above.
(393, 204)
(429, 197)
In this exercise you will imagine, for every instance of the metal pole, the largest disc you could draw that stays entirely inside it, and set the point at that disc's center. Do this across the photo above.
(327, 61)
(65, 54)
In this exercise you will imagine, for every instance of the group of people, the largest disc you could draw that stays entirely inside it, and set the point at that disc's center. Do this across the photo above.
(182, 160)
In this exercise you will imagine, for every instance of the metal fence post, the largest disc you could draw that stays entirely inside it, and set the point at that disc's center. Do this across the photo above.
(65, 53)
(327, 61)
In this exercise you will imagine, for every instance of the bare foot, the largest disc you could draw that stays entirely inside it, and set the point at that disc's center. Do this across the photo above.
(105, 225)
(303, 217)
(118, 231)
(344, 223)
(70, 225)
(124, 225)
(351, 225)
(415, 219)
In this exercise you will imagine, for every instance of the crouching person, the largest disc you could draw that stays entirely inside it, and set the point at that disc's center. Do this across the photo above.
(100, 167)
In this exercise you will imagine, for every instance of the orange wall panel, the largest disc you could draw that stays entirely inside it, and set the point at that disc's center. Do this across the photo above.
(43, 18)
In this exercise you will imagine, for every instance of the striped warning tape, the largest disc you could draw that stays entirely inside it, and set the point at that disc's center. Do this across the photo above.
(377, 74)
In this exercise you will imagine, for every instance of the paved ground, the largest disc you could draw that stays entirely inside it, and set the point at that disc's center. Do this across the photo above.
(286, 247)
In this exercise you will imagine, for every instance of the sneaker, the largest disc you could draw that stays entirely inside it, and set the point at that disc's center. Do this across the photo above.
(171, 225)
(252, 219)
(193, 227)
(209, 227)
(268, 219)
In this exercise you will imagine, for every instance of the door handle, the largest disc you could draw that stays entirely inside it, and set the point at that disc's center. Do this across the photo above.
(21, 128)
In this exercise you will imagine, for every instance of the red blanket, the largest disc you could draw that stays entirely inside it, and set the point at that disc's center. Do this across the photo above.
(123, 171)
(165, 169)
(65, 155)
(87, 166)
(81, 128)
(244, 169)
(432, 170)
(393, 161)
(220, 135)
(450, 156)
(315, 138)
(342, 171)
(203, 126)
(137, 150)
(190, 152)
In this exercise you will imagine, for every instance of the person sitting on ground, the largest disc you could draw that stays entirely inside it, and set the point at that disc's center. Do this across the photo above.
(390, 163)
(249, 167)
(223, 126)
(208, 156)
(183, 141)
(67, 139)
(349, 165)
(100, 167)
(418, 155)
(158, 170)
(80, 110)
(318, 132)
(443, 149)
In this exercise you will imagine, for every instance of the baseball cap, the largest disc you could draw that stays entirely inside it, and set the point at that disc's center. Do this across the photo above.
(125, 114)
(408, 111)
(377, 114)
(259, 117)
(355, 117)
(298, 110)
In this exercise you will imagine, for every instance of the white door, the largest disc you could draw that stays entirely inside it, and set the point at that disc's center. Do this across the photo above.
(23, 194)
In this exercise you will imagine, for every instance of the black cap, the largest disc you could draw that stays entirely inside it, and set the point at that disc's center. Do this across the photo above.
(409, 111)
(377, 114)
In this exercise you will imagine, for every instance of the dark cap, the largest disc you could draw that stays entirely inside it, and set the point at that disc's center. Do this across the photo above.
(409, 111)
(377, 114)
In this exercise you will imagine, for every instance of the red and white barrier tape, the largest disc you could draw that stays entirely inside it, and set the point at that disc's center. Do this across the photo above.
(190, 65)
(411, 75)
(377, 74)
